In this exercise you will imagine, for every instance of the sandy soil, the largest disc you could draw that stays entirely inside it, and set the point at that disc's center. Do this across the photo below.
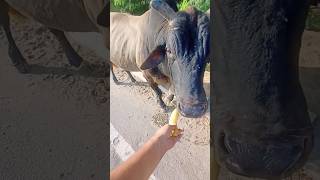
(197, 131)
(310, 50)
(53, 121)
(136, 116)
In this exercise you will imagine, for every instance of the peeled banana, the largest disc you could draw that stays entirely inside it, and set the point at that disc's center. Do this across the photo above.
(174, 117)
(173, 121)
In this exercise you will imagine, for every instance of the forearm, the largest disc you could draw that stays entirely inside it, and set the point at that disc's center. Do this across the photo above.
(140, 165)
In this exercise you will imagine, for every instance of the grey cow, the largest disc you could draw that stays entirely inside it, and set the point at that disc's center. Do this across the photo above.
(169, 47)
(59, 16)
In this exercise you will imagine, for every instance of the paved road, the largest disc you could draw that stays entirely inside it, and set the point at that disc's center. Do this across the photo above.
(53, 121)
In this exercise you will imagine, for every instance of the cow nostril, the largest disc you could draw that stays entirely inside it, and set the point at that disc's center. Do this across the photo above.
(179, 107)
(204, 106)
(222, 143)
(306, 143)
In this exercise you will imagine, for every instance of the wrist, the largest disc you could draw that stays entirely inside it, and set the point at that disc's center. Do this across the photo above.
(159, 146)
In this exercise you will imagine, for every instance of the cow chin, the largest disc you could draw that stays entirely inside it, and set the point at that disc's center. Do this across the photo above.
(192, 110)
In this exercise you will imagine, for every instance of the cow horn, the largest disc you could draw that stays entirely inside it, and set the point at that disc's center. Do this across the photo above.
(103, 18)
(163, 8)
(208, 13)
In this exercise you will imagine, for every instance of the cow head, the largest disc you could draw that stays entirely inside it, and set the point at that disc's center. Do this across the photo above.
(262, 128)
(184, 52)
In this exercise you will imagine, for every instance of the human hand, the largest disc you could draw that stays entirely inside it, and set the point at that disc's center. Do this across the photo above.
(164, 139)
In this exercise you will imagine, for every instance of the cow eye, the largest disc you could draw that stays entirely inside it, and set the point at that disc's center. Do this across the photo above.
(169, 53)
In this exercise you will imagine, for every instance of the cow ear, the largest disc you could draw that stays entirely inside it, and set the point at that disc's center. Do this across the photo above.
(163, 8)
(103, 19)
(154, 58)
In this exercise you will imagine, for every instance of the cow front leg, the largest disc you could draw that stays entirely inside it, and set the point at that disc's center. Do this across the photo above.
(156, 89)
(170, 98)
(116, 81)
(14, 53)
(73, 57)
(131, 77)
(158, 92)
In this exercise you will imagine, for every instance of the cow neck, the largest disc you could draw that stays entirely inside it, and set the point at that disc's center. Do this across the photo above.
(156, 31)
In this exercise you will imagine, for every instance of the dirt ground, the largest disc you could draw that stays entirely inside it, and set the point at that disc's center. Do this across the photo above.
(58, 114)
(136, 115)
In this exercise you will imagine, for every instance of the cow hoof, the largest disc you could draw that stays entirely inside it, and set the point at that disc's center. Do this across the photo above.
(170, 97)
(116, 81)
(173, 103)
(18, 60)
(171, 100)
(165, 108)
(133, 81)
(313, 117)
(74, 60)
(23, 67)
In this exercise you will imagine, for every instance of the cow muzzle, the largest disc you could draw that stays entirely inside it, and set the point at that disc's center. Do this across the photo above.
(273, 159)
(192, 109)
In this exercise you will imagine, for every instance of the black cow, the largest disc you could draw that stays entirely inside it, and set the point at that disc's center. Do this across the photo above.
(262, 128)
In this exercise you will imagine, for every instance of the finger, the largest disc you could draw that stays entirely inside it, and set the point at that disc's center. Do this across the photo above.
(178, 138)
(176, 132)
(171, 126)
(179, 131)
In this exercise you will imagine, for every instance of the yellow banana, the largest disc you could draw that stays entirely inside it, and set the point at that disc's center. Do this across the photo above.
(174, 117)
(173, 121)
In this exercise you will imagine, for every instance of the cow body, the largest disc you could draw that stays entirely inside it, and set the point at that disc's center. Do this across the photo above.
(50, 13)
(126, 35)
(59, 16)
(133, 38)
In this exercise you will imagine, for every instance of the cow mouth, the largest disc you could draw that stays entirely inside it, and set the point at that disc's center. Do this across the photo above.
(192, 110)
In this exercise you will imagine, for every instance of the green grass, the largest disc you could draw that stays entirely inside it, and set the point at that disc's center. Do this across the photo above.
(113, 8)
(208, 67)
(313, 20)
(202, 5)
(138, 7)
